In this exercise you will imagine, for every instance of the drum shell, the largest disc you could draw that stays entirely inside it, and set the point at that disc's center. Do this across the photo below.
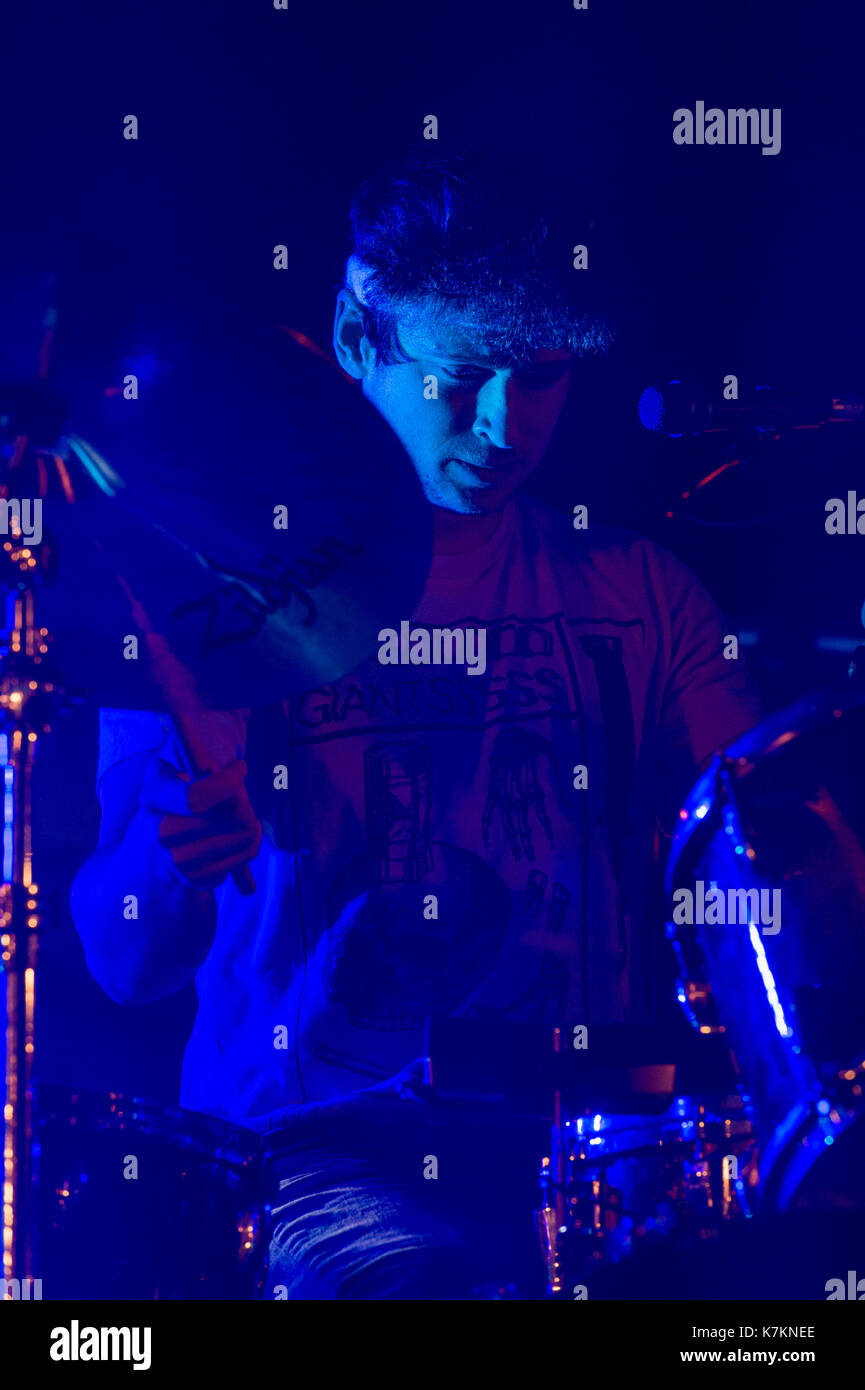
(783, 813)
(139, 1202)
(632, 1181)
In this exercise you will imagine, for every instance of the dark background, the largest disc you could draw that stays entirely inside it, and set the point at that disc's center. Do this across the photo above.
(255, 126)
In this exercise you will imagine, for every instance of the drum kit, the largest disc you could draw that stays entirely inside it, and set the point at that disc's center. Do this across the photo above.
(144, 592)
(727, 1185)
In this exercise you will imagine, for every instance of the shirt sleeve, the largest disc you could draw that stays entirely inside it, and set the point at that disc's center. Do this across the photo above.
(709, 698)
(125, 732)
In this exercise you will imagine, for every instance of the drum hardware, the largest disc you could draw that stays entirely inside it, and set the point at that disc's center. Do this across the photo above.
(643, 1163)
(782, 808)
(141, 1202)
(802, 1138)
(238, 513)
(29, 701)
(614, 1184)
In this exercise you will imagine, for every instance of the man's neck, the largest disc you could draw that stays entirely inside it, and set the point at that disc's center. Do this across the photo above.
(457, 534)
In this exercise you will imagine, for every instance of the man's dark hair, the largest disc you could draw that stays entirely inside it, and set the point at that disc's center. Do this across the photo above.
(449, 237)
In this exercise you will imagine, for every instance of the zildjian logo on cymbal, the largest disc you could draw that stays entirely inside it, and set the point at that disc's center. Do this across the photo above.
(258, 595)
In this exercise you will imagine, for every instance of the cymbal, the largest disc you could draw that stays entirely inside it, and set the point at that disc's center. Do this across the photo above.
(251, 508)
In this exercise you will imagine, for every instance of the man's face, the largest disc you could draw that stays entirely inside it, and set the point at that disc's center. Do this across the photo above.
(488, 428)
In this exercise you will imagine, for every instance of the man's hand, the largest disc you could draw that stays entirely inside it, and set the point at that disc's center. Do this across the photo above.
(372, 1104)
(412, 1083)
(207, 827)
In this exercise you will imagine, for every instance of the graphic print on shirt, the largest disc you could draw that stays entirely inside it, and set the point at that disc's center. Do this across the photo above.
(529, 678)
(603, 648)
(514, 790)
(617, 716)
(394, 957)
(518, 857)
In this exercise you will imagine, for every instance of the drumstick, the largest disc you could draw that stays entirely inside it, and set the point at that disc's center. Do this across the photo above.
(185, 706)
(201, 762)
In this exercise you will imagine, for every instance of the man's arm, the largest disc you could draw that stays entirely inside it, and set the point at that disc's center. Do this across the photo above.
(710, 698)
(143, 903)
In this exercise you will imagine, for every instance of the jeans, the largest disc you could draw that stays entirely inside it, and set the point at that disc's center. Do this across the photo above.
(379, 1199)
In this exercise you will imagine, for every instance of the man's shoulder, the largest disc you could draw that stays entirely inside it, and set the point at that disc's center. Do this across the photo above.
(608, 549)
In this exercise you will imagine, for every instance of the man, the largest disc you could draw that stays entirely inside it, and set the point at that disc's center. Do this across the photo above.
(462, 843)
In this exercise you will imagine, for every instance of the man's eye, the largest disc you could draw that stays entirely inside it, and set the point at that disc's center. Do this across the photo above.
(542, 381)
(467, 380)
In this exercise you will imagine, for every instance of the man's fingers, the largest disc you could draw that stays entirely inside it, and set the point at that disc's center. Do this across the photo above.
(207, 827)
(214, 848)
(166, 790)
(219, 786)
(211, 875)
(180, 830)
(413, 1080)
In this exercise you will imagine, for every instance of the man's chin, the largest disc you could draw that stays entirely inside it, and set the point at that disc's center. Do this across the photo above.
(490, 505)
(476, 493)
(474, 504)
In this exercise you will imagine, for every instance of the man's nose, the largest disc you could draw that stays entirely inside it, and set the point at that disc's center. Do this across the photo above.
(494, 414)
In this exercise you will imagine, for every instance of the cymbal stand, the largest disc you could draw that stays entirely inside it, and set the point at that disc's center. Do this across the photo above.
(26, 699)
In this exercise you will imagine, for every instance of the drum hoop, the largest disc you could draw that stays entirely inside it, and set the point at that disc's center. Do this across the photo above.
(789, 1156)
(102, 1112)
(766, 740)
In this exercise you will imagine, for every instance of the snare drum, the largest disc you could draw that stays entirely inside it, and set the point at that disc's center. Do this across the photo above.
(138, 1202)
(781, 815)
(624, 1185)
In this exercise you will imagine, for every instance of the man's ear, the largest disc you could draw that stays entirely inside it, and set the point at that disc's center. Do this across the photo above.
(354, 352)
